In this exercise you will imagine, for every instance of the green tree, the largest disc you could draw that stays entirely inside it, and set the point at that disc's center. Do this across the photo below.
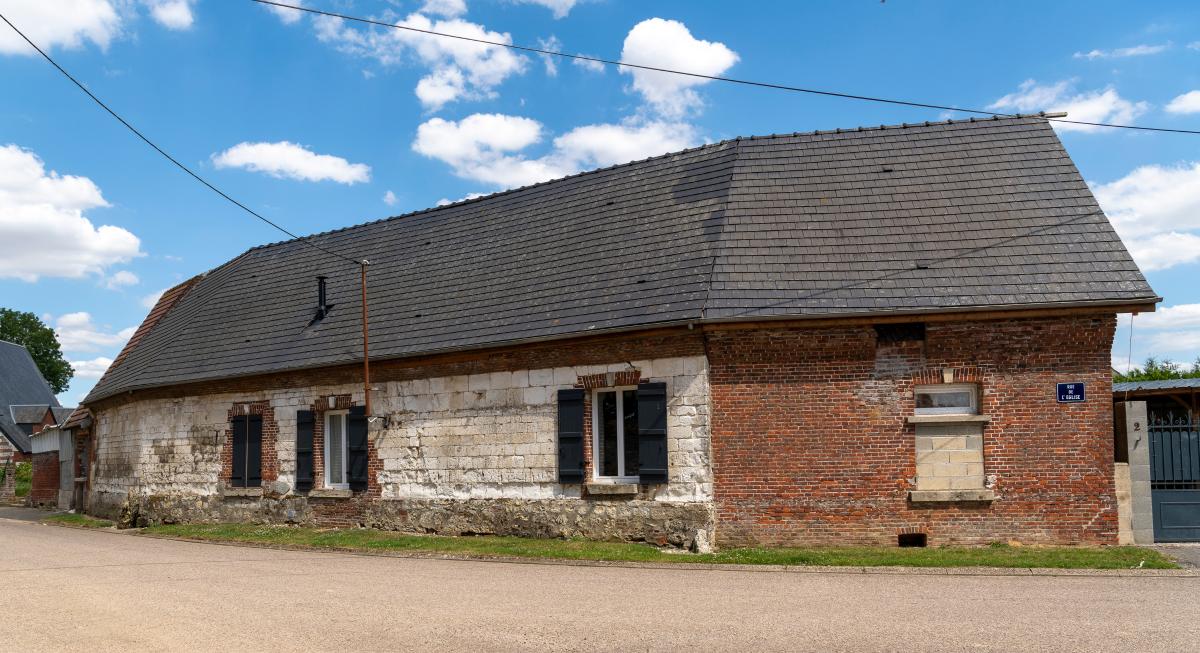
(27, 330)
(1159, 370)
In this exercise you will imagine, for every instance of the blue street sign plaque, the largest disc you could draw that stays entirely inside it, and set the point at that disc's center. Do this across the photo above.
(1069, 393)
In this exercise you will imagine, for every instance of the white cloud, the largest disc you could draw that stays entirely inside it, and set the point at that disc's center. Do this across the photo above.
(469, 196)
(151, 300)
(43, 226)
(120, 279)
(287, 16)
(1156, 210)
(61, 23)
(1187, 103)
(459, 69)
(91, 369)
(597, 146)
(1118, 53)
(669, 44)
(172, 14)
(560, 7)
(1174, 341)
(590, 66)
(76, 332)
(489, 147)
(1171, 317)
(1091, 106)
(390, 198)
(1194, 45)
(289, 160)
(447, 8)
(548, 60)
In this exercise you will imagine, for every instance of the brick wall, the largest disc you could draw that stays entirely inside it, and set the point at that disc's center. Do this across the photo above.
(45, 482)
(811, 446)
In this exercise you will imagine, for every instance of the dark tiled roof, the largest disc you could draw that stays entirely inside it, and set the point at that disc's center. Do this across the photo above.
(21, 384)
(1168, 384)
(61, 414)
(967, 215)
(28, 414)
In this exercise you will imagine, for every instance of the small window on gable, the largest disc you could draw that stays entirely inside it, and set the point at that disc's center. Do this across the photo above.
(947, 399)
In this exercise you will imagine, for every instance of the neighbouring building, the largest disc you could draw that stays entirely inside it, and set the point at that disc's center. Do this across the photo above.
(27, 404)
(874, 335)
(1157, 443)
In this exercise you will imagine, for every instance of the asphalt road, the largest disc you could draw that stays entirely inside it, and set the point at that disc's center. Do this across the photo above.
(89, 591)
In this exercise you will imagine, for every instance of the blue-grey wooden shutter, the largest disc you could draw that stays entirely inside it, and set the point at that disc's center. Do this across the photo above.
(304, 449)
(356, 446)
(570, 436)
(254, 436)
(652, 432)
(238, 476)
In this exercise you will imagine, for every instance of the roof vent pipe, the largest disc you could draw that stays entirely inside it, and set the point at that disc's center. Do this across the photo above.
(323, 307)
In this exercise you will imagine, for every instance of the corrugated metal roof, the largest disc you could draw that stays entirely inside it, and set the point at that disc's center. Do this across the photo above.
(965, 215)
(1167, 384)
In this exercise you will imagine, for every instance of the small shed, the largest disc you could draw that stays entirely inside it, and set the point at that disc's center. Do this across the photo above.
(52, 481)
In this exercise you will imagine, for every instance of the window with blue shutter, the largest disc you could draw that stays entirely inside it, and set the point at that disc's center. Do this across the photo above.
(247, 451)
(630, 434)
(570, 436)
(356, 448)
(652, 432)
(305, 421)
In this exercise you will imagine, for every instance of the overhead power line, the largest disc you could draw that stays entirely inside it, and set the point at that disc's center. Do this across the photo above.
(166, 155)
(716, 78)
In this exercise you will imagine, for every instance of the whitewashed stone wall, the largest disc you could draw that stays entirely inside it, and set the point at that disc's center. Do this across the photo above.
(458, 437)
(494, 435)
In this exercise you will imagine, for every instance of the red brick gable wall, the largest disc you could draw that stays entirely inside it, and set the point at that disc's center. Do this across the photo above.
(810, 443)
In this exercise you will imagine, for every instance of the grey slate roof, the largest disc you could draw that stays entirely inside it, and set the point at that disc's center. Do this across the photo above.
(965, 215)
(21, 384)
(28, 413)
(1168, 384)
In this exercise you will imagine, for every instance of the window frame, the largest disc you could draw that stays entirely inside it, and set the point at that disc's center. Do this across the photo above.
(596, 451)
(971, 389)
(345, 415)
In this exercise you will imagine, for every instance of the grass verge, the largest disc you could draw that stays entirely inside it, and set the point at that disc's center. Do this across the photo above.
(1114, 557)
(77, 520)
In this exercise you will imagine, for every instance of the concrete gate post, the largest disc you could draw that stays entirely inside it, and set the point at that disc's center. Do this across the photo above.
(1138, 442)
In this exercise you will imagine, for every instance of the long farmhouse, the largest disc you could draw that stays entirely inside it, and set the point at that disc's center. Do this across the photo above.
(838, 337)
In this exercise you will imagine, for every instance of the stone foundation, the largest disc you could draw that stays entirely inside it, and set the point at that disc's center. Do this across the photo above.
(684, 525)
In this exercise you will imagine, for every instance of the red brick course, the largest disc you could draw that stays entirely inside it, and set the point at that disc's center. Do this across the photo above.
(810, 443)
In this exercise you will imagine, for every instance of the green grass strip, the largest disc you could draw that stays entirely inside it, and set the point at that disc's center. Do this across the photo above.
(1081, 557)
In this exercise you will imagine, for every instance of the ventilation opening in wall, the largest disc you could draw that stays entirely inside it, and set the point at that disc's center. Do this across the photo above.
(904, 332)
(907, 540)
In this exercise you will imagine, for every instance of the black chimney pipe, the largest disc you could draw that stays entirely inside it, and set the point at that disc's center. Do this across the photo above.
(322, 307)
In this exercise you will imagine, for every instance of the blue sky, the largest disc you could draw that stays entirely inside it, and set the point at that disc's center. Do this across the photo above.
(320, 124)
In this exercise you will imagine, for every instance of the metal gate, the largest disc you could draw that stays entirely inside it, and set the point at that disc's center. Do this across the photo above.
(1175, 481)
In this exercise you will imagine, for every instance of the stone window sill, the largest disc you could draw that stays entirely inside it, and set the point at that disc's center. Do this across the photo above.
(330, 493)
(612, 489)
(945, 496)
(242, 492)
(948, 419)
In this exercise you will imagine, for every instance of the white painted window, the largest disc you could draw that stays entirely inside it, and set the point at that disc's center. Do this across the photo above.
(336, 451)
(947, 399)
(615, 434)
